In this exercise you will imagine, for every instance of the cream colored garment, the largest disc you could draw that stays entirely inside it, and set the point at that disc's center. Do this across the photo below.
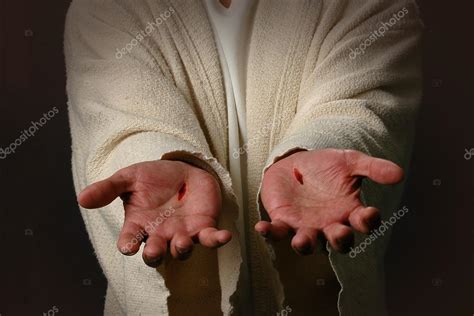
(166, 97)
(231, 27)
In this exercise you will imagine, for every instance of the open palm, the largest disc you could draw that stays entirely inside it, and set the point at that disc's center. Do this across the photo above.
(165, 202)
(318, 192)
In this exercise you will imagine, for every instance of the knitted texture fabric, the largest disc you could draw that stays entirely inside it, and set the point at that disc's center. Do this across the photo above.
(145, 83)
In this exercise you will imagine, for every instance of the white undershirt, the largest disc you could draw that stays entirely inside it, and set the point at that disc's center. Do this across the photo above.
(232, 29)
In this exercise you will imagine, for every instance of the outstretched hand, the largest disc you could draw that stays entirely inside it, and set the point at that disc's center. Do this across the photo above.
(316, 193)
(167, 204)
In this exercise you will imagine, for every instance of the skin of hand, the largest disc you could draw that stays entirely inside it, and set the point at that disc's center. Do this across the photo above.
(168, 205)
(316, 193)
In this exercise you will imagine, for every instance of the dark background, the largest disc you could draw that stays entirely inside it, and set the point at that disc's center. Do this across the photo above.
(47, 259)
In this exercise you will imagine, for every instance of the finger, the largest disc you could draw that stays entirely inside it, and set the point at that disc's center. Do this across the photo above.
(154, 251)
(276, 230)
(102, 193)
(130, 238)
(305, 241)
(379, 170)
(212, 237)
(339, 236)
(181, 246)
(364, 219)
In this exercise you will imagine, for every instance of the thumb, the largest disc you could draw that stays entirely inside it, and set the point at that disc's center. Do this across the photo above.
(379, 170)
(102, 193)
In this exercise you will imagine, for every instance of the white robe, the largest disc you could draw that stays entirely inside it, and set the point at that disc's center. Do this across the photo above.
(232, 28)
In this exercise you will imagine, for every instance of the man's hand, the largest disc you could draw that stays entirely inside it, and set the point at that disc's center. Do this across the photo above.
(164, 201)
(317, 192)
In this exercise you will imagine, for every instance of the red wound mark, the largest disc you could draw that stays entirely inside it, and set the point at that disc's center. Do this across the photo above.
(181, 192)
(298, 175)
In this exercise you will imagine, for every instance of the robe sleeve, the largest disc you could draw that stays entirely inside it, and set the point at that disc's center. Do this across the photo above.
(362, 89)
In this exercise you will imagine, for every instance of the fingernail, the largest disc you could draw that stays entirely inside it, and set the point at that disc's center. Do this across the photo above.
(371, 222)
(184, 256)
(126, 251)
(154, 261)
(340, 242)
(304, 251)
(344, 244)
(183, 251)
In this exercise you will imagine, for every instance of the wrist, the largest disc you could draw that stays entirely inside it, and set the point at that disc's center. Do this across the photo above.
(191, 160)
